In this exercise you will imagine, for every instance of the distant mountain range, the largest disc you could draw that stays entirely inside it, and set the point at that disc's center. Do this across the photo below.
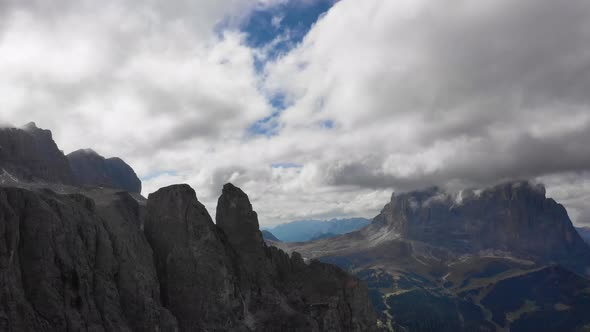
(584, 233)
(307, 230)
(268, 236)
(498, 259)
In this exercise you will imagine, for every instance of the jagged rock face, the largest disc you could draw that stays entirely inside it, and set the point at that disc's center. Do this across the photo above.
(213, 280)
(63, 268)
(239, 222)
(91, 169)
(94, 258)
(196, 272)
(515, 217)
(30, 153)
(81, 261)
(315, 297)
(137, 280)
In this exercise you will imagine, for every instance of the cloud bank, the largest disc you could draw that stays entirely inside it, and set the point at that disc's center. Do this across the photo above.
(377, 96)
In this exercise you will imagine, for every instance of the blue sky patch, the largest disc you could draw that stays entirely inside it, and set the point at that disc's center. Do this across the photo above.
(158, 174)
(285, 24)
(327, 124)
(286, 165)
(276, 30)
(267, 126)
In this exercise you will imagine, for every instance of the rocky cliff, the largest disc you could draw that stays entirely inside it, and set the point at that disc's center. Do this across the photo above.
(30, 154)
(502, 258)
(198, 277)
(92, 169)
(514, 217)
(224, 277)
(98, 260)
(67, 264)
(79, 254)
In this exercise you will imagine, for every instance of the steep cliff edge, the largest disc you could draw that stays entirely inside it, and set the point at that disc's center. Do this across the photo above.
(30, 154)
(197, 276)
(474, 260)
(514, 217)
(92, 169)
(63, 267)
(224, 277)
(81, 250)
(81, 261)
(314, 297)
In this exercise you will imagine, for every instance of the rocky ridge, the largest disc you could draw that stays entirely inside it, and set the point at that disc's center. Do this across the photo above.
(92, 169)
(514, 217)
(88, 258)
(29, 154)
(468, 261)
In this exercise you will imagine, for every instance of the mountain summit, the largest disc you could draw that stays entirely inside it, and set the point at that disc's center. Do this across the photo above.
(92, 169)
(514, 217)
(31, 155)
(475, 260)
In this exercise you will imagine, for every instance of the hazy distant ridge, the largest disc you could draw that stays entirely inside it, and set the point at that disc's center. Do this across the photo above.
(307, 230)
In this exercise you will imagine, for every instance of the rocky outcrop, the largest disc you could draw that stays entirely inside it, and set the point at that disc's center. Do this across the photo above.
(84, 256)
(515, 217)
(239, 222)
(92, 169)
(468, 261)
(224, 277)
(197, 275)
(98, 260)
(30, 154)
(63, 267)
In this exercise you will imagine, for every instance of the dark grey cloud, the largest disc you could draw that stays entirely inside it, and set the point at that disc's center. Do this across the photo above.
(485, 163)
(420, 93)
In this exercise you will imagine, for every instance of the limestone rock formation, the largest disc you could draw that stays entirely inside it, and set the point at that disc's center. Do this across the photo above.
(92, 169)
(502, 258)
(515, 217)
(224, 277)
(197, 276)
(64, 268)
(81, 250)
(30, 154)
(239, 222)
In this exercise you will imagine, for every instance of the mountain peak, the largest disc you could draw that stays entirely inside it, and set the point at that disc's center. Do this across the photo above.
(86, 151)
(239, 222)
(31, 154)
(514, 216)
(30, 126)
(92, 169)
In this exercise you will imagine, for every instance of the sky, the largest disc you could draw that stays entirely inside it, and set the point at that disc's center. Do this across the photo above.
(315, 108)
